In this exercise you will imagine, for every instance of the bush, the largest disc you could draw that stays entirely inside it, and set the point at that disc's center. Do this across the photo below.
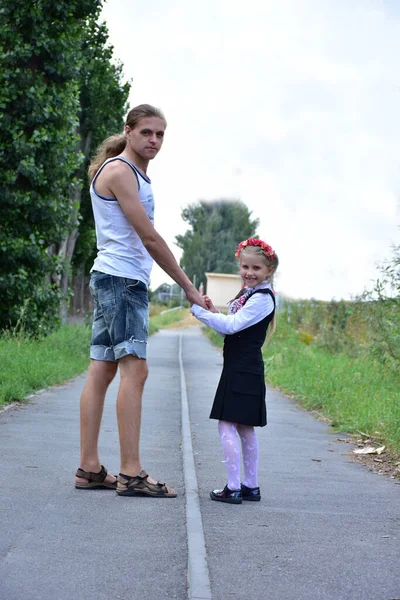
(382, 311)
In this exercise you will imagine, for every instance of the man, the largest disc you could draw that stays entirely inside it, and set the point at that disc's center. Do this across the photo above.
(127, 243)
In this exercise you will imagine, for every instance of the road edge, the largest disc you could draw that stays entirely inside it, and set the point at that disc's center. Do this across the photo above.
(199, 587)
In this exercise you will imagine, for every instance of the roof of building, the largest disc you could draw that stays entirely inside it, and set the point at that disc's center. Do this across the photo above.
(227, 275)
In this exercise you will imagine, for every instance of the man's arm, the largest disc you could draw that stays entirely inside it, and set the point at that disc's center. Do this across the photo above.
(120, 180)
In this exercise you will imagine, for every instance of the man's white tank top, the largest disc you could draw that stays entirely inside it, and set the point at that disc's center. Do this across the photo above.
(120, 249)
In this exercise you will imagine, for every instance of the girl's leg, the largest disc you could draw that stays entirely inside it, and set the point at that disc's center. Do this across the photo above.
(249, 441)
(231, 449)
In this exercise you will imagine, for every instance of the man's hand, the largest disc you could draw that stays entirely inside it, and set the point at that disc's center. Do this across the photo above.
(195, 297)
(210, 306)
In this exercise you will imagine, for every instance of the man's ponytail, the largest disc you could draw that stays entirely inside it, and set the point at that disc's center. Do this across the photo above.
(112, 146)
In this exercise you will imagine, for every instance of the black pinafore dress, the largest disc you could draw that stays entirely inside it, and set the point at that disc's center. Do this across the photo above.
(240, 395)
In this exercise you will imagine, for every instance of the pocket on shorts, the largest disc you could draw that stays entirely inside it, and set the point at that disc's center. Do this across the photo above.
(102, 288)
(136, 291)
(134, 285)
(103, 292)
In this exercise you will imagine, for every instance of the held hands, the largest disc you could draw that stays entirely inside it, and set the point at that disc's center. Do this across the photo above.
(195, 297)
(210, 306)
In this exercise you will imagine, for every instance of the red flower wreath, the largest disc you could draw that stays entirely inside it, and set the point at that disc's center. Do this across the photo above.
(254, 242)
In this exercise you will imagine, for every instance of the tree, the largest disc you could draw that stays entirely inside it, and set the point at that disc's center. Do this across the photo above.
(216, 229)
(55, 83)
(39, 45)
(102, 99)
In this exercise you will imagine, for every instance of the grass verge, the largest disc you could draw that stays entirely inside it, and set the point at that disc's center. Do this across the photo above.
(353, 393)
(28, 365)
(161, 320)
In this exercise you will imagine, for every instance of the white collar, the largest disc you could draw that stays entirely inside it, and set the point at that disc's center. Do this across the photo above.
(266, 284)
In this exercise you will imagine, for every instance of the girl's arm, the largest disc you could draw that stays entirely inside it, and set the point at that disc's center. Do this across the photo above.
(255, 310)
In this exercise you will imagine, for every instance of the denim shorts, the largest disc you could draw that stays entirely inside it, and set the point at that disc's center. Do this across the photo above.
(120, 319)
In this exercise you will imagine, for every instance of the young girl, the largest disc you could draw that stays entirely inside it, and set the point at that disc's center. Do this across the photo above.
(239, 402)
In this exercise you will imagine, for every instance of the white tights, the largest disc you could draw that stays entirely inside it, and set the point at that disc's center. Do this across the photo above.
(230, 444)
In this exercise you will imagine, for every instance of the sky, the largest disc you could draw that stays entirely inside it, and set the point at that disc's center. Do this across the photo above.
(291, 106)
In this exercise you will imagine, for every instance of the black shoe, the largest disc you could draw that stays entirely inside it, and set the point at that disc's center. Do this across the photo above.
(252, 494)
(227, 495)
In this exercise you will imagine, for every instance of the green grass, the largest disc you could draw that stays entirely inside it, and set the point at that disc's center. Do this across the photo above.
(353, 393)
(28, 365)
(215, 337)
(163, 320)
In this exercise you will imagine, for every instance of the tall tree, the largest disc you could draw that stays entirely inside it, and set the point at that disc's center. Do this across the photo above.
(215, 230)
(39, 99)
(59, 95)
(102, 99)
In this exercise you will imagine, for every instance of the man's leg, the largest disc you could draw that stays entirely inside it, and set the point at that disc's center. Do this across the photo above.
(101, 373)
(133, 375)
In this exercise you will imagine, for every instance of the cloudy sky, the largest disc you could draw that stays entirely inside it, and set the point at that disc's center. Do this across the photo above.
(292, 106)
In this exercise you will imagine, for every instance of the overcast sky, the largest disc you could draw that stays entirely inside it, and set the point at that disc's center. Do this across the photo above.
(292, 106)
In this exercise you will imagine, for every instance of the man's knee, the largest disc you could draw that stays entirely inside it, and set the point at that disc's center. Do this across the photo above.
(134, 368)
(103, 371)
(142, 371)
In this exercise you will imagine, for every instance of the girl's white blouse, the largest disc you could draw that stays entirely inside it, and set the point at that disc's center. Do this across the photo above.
(255, 310)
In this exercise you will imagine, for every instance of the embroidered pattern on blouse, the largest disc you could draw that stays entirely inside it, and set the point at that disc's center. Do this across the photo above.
(238, 303)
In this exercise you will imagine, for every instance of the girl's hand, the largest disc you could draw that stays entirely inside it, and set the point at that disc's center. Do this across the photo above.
(210, 306)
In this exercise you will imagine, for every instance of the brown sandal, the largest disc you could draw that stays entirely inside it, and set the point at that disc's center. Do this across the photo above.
(141, 486)
(96, 481)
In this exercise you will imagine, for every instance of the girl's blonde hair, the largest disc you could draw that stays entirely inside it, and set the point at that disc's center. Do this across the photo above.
(271, 260)
(115, 144)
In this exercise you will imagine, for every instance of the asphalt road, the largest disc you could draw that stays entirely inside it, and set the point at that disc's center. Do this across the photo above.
(326, 528)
